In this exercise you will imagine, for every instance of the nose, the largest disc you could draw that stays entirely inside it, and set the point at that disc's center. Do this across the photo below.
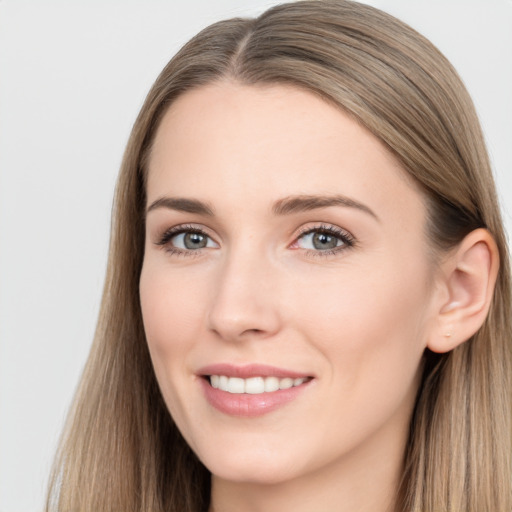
(245, 301)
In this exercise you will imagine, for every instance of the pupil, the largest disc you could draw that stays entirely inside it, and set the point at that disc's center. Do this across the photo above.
(323, 241)
(194, 241)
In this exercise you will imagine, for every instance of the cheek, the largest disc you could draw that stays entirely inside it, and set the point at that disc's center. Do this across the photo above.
(169, 307)
(370, 325)
(370, 332)
(171, 322)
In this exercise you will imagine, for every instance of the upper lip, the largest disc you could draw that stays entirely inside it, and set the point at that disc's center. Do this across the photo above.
(249, 370)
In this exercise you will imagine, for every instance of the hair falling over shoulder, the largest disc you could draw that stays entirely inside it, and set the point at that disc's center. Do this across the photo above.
(120, 449)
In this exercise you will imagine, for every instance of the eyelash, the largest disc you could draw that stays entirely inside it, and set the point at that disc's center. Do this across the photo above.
(166, 237)
(348, 241)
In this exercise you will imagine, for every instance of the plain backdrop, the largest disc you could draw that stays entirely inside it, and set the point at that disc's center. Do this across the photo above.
(72, 78)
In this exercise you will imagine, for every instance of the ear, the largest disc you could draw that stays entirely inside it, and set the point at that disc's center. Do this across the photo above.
(468, 279)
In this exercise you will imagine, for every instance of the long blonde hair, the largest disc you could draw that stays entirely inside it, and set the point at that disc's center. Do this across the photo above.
(121, 451)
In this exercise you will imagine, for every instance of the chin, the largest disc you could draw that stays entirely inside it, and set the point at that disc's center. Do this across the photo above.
(254, 469)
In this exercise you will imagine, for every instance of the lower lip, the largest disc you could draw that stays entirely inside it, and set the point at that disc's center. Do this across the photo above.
(247, 405)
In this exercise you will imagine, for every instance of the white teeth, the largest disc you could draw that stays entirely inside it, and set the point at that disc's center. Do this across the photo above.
(223, 382)
(214, 381)
(236, 385)
(286, 383)
(271, 384)
(253, 385)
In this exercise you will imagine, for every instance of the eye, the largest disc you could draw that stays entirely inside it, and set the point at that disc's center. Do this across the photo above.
(326, 239)
(184, 239)
(319, 240)
(191, 240)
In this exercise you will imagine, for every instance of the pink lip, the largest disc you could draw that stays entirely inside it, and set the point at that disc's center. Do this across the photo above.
(250, 370)
(247, 405)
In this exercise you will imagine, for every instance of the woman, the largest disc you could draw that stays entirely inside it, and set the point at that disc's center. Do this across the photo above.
(307, 305)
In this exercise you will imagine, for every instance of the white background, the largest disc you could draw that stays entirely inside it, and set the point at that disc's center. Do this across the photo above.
(72, 78)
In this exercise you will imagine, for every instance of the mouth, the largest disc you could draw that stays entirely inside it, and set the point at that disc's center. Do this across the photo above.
(254, 385)
(251, 390)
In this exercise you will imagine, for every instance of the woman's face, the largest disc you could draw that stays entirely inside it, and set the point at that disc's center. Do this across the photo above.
(284, 247)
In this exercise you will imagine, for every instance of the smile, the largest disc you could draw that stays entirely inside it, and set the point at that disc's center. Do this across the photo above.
(251, 390)
(254, 385)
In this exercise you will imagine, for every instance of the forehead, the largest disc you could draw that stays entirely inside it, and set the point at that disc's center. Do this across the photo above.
(226, 142)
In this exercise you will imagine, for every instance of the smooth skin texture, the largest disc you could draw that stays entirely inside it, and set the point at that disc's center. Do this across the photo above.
(251, 287)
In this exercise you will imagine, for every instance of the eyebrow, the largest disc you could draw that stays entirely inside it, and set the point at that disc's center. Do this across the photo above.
(301, 203)
(181, 204)
(285, 206)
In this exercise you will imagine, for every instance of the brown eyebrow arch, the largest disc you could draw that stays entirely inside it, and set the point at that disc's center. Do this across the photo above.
(181, 204)
(285, 206)
(301, 203)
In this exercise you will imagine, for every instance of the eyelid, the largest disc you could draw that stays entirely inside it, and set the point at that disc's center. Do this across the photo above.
(345, 236)
(166, 236)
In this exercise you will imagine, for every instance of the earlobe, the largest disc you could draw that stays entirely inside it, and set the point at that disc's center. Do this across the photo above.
(469, 276)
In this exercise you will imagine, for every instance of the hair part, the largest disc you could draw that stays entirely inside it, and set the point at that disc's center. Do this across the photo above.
(121, 449)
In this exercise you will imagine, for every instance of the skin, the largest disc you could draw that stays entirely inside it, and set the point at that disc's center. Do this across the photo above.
(357, 320)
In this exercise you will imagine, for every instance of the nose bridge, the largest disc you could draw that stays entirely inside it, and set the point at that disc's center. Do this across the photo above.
(244, 301)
